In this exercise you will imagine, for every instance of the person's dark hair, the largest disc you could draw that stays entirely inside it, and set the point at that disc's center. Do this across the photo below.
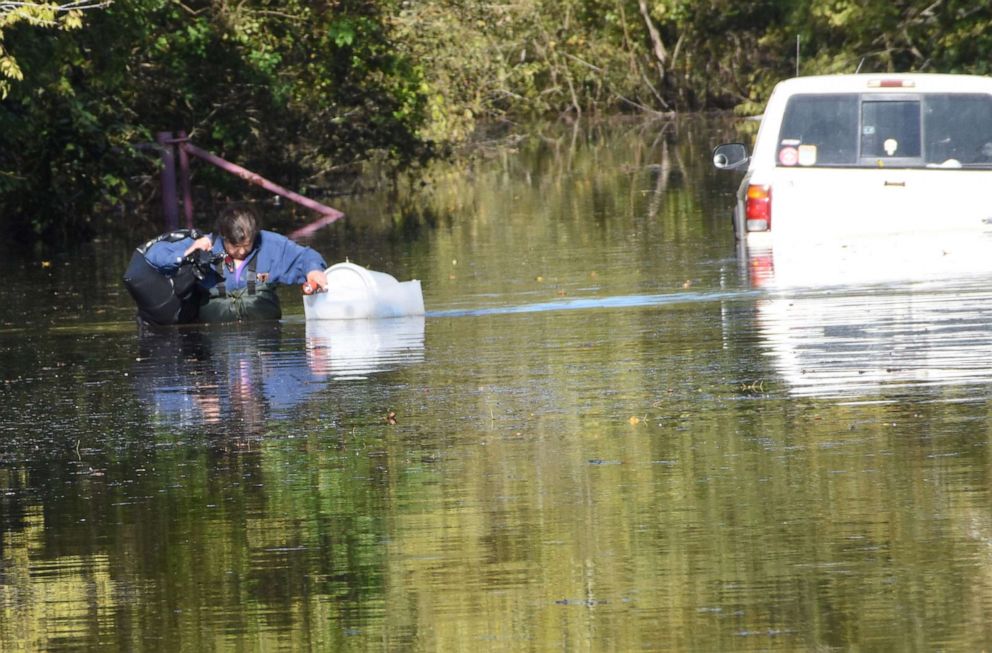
(238, 224)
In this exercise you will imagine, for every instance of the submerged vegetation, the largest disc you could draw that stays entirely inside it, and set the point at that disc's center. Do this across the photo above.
(312, 93)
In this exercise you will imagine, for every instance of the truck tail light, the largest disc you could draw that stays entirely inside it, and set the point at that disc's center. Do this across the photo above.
(891, 83)
(758, 209)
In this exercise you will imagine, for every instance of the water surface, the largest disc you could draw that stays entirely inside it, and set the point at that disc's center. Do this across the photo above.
(602, 436)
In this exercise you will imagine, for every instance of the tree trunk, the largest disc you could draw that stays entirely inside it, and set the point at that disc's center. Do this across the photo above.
(657, 46)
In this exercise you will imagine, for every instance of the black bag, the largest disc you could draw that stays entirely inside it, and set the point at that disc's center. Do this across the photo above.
(165, 300)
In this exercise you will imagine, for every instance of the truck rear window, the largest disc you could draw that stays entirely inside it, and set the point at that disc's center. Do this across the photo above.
(949, 130)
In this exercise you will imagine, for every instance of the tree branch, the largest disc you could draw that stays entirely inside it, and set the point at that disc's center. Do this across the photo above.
(72, 5)
(43, 13)
(657, 46)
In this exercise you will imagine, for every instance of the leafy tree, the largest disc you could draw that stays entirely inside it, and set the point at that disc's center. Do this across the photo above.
(317, 93)
(297, 91)
(37, 14)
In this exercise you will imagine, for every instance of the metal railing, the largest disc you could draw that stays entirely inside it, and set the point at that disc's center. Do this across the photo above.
(176, 150)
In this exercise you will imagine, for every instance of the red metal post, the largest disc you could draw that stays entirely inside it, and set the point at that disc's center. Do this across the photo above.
(330, 215)
(184, 186)
(170, 208)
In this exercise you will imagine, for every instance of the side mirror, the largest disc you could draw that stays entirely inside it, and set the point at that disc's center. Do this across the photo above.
(730, 156)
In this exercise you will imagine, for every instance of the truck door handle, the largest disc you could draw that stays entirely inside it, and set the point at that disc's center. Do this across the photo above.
(901, 184)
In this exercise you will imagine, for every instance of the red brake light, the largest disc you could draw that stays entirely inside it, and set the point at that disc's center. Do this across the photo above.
(891, 83)
(758, 209)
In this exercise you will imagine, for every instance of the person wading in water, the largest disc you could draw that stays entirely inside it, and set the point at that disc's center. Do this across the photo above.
(227, 276)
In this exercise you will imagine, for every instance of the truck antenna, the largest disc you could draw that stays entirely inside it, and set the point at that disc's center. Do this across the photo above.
(860, 63)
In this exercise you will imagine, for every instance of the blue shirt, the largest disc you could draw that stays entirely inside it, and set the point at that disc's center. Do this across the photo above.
(280, 260)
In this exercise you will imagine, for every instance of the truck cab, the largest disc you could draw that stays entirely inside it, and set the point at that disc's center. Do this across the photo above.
(849, 155)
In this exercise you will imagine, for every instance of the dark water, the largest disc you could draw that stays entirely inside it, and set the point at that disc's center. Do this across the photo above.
(605, 438)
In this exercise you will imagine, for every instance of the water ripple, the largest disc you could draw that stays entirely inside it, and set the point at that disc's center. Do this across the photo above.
(587, 303)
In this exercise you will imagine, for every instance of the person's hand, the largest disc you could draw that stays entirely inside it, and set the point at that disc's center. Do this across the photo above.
(317, 280)
(203, 242)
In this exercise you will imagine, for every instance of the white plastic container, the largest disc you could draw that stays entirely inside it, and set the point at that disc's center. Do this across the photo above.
(355, 293)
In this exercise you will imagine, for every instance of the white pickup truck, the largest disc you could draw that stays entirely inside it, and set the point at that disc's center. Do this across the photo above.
(859, 154)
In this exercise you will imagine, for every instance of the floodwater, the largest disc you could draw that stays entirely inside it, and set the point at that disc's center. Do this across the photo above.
(606, 435)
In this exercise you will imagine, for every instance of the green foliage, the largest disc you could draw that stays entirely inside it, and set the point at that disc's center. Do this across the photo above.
(36, 14)
(292, 90)
(311, 93)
